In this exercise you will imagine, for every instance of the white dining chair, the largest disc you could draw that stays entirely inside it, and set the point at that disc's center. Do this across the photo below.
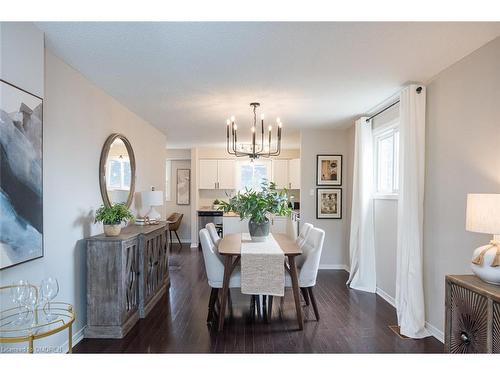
(309, 264)
(304, 231)
(214, 236)
(214, 268)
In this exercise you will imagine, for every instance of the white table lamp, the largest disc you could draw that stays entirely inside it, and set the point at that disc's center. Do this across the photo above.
(483, 216)
(152, 199)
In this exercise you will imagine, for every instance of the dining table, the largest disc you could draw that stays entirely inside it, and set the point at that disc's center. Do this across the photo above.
(230, 248)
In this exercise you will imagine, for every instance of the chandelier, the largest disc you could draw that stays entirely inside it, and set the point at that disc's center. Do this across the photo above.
(255, 149)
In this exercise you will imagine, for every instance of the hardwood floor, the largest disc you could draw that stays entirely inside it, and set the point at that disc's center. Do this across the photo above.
(351, 321)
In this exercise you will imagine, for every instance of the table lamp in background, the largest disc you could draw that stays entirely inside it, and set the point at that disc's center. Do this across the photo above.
(483, 216)
(152, 199)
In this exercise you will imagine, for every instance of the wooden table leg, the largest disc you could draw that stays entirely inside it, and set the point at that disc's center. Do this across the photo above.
(296, 290)
(228, 260)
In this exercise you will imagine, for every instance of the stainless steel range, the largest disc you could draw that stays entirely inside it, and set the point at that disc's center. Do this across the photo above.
(206, 216)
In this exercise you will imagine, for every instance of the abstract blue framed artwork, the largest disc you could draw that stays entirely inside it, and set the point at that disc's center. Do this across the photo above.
(21, 185)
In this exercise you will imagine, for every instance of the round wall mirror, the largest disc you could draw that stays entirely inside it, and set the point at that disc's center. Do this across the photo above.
(117, 171)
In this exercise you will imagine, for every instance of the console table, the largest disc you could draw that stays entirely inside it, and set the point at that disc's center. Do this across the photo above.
(472, 315)
(126, 276)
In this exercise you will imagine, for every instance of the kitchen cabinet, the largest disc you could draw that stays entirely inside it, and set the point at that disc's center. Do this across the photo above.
(208, 174)
(279, 224)
(294, 174)
(233, 224)
(226, 174)
(217, 174)
(280, 173)
(286, 173)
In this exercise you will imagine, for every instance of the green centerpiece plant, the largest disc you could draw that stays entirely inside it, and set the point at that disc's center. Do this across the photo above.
(258, 206)
(112, 217)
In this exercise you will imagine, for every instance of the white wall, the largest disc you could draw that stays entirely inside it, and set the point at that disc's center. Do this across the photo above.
(184, 231)
(462, 156)
(313, 142)
(22, 56)
(78, 117)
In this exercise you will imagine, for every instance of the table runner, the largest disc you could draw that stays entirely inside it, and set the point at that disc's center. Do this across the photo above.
(262, 267)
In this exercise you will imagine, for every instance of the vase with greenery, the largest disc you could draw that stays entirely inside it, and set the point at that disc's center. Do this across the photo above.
(112, 217)
(258, 206)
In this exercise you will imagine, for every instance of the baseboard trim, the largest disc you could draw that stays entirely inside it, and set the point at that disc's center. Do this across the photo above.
(77, 337)
(390, 300)
(333, 267)
(438, 334)
(194, 244)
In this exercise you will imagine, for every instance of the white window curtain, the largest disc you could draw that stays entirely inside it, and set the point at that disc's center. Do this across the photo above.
(409, 276)
(361, 245)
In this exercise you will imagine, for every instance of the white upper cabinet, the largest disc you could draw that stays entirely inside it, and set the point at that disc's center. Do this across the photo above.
(294, 173)
(208, 174)
(280, 173)
(217, 174)
(226, 173)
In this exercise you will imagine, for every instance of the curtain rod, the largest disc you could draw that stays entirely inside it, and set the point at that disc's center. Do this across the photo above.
(419, 90)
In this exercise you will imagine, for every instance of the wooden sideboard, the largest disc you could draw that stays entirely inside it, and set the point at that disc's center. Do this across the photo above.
(126, 276)
(472, 315)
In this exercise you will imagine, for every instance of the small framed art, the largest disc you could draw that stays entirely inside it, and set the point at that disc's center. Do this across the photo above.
(329, 203)
(183, 186)
(329, 170)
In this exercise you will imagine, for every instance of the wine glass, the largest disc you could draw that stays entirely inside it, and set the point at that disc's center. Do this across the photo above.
(19, 294)
(49, 288)
(31, 302)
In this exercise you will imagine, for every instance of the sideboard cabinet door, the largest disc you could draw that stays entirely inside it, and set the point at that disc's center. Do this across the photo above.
(130, 278)
(496, 328)
(469, 321)
(154, 267)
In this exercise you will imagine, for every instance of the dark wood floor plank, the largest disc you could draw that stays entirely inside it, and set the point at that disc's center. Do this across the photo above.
(351, 321)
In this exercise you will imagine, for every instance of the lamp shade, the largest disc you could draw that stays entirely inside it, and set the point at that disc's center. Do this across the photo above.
(483, 213)
(152, 198)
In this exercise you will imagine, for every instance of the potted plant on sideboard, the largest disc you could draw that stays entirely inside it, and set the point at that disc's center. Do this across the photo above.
(112, 217)
(258, 206)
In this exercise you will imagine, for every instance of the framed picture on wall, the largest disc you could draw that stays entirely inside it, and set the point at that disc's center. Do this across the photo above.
(183, 186)
(329, 203)
(329, 170)
(21, 187)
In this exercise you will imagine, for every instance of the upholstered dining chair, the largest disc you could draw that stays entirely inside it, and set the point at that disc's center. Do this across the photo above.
(174, 222)
(214, 268)
(304, 231)
(308, 264)
(214, 236)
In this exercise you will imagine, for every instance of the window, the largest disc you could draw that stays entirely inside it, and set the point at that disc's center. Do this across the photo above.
(252, 175)
(119, 177)
(168, 180)
(386, 160)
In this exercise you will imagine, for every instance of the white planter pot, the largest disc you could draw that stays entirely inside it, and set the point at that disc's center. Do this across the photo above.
(484, 271)
(112, 230)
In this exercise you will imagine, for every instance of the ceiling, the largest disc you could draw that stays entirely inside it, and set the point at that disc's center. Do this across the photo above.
(187, 78)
